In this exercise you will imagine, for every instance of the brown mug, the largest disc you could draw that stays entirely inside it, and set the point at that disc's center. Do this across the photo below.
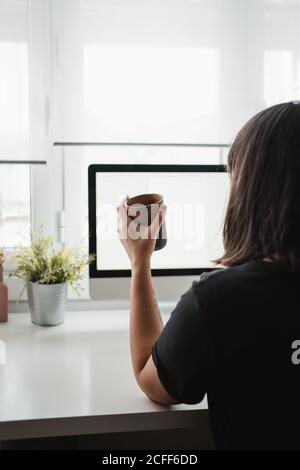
(145, 207)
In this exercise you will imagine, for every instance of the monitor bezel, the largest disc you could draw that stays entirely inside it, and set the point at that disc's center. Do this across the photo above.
(92, 217)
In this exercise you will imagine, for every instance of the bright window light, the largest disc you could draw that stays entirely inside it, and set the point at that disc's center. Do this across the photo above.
(281, 77)
(142, 89)
(14, 205)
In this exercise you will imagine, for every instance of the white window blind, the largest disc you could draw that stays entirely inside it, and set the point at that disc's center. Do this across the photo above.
(24, 80)
(171, 70)
(139, 70)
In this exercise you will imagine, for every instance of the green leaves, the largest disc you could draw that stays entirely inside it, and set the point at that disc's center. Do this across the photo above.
(41, 263)
(1, 257)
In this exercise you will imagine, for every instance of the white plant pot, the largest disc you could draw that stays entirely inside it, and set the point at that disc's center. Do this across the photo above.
(47, 303)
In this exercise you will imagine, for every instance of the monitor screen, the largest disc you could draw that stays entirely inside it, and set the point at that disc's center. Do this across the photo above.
(195, 200)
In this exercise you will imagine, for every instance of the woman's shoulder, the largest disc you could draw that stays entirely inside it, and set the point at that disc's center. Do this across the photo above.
(226, 273)
(224, 278)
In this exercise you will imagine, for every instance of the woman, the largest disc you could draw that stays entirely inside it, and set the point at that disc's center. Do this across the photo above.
(232, 334)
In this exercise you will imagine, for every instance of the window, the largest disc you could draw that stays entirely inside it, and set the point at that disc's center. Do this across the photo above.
(281, 61)
(14, 123)
(133, 91)
(145, 71)
(14, 204)
(24, 109)
(189, 71)
(274, 51)
(14, 83)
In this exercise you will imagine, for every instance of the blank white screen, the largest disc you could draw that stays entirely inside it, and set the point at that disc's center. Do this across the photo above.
(196, 204)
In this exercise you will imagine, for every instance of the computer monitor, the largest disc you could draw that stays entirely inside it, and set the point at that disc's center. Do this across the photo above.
(195, 196)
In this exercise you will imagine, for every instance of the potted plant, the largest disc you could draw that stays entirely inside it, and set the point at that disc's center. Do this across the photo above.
(46, 272)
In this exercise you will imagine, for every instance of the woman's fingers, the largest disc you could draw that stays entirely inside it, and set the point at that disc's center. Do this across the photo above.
(123, 218)
(122, 202)
(150, 231)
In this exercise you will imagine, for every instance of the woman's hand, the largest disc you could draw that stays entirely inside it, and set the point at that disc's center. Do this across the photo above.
(139, 245)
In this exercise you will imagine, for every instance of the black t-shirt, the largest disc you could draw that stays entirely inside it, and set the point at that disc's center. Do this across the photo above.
(230, 337)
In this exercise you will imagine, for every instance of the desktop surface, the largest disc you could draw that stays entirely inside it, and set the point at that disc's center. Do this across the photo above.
(77, 378)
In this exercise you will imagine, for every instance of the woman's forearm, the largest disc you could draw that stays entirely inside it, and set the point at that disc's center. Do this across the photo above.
(145, 320)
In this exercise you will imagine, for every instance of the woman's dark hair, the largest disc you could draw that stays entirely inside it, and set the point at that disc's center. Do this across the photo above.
(262, 218)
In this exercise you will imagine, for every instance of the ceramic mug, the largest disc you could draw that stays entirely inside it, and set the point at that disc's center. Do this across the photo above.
(144, 207)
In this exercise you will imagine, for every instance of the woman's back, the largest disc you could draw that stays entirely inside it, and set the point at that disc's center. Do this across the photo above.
(231, 336)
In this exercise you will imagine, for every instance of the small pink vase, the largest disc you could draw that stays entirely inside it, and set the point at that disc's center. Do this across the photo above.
(3, 299)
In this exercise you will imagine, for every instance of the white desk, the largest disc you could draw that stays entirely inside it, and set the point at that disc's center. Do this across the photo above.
(76, 379)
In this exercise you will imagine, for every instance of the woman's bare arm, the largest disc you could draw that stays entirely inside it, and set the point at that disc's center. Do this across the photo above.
(145, 327)
(145, 320)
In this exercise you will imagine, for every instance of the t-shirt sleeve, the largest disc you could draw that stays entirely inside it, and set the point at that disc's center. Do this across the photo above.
(180, 351)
